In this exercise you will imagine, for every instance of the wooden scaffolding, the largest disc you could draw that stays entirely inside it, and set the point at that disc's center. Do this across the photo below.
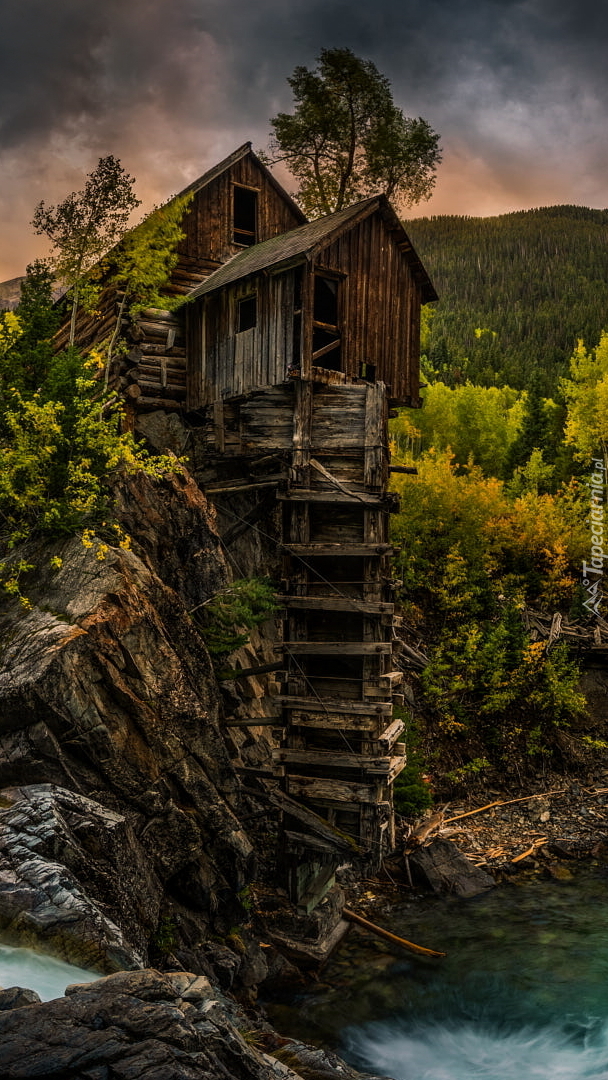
(340, 754)
(340, 751)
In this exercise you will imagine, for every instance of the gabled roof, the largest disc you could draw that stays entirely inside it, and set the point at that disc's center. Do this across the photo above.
(237, 155)
(307, 239)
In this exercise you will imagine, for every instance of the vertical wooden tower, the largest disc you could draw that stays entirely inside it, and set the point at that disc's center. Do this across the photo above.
(306, 341)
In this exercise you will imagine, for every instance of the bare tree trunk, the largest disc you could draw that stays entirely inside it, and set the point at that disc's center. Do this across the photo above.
(74, 312)
(113, 339)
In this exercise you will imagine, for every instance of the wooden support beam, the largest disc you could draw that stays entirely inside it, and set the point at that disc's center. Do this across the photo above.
(333, 760)
(312, 822)
(251, 770)
(389, 736)
(258, 721)
(335, 603)
(300, 843)
(334, 496)
(371, 726)
(336, 648)
(341, 550)
(244, 673)
(356, 708)
(228, 490)
(333, 791)
(333, 480)
(390, 679)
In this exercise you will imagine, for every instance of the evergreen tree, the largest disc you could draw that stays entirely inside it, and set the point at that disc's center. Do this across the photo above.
(31, 355)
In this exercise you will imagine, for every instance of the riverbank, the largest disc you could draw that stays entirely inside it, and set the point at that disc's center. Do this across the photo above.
(562, 819)
(549, 828)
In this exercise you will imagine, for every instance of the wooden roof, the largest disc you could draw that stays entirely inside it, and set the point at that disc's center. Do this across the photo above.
(306, 240)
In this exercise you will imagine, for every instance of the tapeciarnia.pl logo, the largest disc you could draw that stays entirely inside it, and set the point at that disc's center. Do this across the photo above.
(593, 571)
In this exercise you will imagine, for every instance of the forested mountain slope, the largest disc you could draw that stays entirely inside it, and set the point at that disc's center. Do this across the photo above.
(516, 291)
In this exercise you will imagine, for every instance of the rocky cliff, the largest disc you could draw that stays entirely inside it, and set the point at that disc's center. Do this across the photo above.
(120, 835)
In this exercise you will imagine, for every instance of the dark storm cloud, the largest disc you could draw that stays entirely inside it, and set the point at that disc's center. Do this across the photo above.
(517, 88)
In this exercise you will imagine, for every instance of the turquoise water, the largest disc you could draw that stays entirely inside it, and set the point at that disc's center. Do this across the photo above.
(521, 995)
(35, 971)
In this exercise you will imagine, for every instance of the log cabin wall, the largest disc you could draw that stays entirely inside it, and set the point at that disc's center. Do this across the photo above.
(152, 374)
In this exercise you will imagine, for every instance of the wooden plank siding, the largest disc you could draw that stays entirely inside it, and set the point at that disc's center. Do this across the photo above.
(232, 362)
(208, 242)
(208, 223)
(380, 310)
(378, 316)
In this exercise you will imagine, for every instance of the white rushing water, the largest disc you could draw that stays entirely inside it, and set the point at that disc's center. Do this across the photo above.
(472, 1052)
(35, 971)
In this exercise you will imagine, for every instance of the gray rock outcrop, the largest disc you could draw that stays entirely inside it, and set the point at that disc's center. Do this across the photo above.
(119, 825)
(151, 1026)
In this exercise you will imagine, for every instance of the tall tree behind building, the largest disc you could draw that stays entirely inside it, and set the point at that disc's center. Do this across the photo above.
(346, 138)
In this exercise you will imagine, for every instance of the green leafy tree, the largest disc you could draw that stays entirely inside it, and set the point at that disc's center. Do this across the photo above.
(141, 264)
(346, 138)
(478, 423)
(586, 394)
(86, 225)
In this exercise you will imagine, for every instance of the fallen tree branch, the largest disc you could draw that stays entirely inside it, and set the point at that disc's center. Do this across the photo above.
(386, 934)
(506, 802)
(531, 850)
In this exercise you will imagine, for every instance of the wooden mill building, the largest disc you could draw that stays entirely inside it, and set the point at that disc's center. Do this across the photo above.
(297, 340)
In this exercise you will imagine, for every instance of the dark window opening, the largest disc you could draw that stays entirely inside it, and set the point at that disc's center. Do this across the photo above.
(368, 372)
(326, 300)
(339, 677)
(244, 218)
(247, 315)
(326, 351)
(296, 358)
(298, 275)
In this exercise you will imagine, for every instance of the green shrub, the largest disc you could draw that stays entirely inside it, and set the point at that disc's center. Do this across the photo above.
(226, 619)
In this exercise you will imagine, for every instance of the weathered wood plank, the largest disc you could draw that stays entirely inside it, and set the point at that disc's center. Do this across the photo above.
(257, 721)
(336, 603)
(332, 791)
(371, 725)
(336, 648)
(333, 495)
(351, 550)
(390, 735)
(332, 760)
(356, 708)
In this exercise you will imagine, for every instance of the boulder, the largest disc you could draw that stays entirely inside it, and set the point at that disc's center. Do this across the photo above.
(56, 847)
(16, 997)
(440, 866)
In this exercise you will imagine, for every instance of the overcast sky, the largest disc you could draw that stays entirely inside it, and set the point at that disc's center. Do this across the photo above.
(517, 89)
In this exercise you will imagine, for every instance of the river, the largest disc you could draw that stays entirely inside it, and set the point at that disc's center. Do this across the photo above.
(521, 995)
(35, 971)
